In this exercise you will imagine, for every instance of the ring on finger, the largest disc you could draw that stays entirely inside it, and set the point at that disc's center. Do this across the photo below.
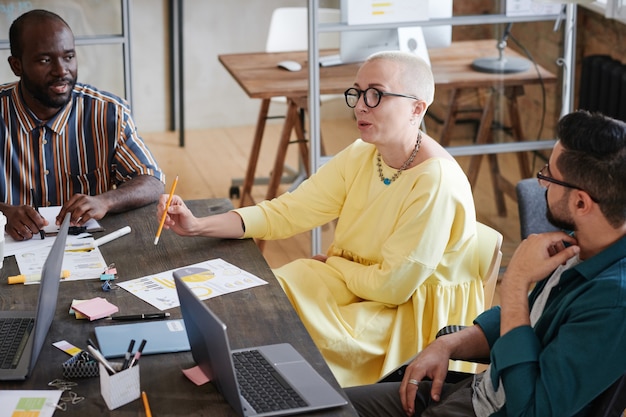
(413, 381)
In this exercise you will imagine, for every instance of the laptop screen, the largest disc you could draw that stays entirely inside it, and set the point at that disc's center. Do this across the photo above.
(50, 278)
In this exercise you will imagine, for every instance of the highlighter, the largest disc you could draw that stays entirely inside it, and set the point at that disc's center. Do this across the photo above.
(33, 278)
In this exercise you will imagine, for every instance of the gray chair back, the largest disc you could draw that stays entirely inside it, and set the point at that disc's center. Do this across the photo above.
(531, 204)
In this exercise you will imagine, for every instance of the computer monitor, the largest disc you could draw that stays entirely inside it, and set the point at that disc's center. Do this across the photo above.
(356, 46)
(438, 36)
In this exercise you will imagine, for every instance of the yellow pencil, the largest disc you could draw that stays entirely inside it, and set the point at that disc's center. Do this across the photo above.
(146, 405)
(167, 206)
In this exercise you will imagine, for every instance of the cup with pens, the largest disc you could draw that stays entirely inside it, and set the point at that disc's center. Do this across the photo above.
(119, 381)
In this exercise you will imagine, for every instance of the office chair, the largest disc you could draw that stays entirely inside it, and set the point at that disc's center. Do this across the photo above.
(489, 258)
(288, 31)
(531, 205)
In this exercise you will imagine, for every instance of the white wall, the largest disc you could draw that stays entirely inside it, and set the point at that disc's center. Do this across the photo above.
(211, 28)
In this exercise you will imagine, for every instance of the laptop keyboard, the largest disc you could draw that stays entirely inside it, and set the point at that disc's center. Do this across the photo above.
(263, 387)
(13, 337)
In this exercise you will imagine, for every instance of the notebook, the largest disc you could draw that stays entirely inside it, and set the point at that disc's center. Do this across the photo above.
(210, 349)
(39, 321)
(162, 336)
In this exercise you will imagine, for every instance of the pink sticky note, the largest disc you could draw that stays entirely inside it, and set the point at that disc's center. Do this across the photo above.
(96, 308)
(196, 375)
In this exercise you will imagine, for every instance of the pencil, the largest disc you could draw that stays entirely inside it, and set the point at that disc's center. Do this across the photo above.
(167, 206)
(146, 405)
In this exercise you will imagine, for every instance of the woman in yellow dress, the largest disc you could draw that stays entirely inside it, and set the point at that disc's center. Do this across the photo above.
(403, 262)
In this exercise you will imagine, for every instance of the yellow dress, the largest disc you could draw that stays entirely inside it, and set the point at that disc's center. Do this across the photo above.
(403, 262)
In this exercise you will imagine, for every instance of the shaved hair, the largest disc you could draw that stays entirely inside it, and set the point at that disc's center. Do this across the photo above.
(18, 26)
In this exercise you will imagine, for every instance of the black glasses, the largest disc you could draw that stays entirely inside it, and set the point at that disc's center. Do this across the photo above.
(544, 178)
(371, 96)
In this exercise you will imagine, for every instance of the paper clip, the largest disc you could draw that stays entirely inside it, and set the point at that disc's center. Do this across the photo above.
(71, 398)
(61, 406)
(110, 269)
(109, 273)
(62, 384)
(107, 286)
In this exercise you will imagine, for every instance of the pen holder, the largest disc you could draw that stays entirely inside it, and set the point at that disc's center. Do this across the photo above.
(120, 388)
(81, 365)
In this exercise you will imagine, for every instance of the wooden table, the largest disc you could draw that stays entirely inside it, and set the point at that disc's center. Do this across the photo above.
(256, 316)
(258, 75)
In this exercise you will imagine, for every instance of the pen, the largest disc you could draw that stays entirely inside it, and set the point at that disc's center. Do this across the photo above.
(167, 206)
(146, 405)
(137, 354)
(35, 205)
(150, 316)
(91, 343)
(111, 236)
(128, 353)
(96, 354)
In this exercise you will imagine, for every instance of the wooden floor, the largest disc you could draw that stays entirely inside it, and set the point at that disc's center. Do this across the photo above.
(212, 158)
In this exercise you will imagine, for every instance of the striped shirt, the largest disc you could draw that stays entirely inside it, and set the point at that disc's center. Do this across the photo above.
(88, 147)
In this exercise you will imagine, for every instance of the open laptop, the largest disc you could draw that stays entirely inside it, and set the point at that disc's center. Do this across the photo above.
(33, 329)
(210, 349)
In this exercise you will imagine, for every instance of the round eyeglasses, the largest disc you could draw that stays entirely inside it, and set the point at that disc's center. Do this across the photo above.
(544, 178)
(371, 96)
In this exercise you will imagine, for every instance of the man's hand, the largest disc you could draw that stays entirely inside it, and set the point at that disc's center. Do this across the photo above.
(538, 255)
(432, 362)
(533, 260)
(23, 221)
(83, 208)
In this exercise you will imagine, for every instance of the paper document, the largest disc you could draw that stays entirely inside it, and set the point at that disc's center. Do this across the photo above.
(50, 214)
(214, 277)
(81, 257)
(29, 403)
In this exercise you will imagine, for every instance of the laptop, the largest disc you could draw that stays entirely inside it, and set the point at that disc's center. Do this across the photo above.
(34, 325)
(210, 349)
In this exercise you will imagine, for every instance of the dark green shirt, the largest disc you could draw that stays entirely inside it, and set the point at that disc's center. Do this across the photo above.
(577, 348)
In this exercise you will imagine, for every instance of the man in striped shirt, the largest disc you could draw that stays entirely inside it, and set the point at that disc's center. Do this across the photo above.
(63, 143)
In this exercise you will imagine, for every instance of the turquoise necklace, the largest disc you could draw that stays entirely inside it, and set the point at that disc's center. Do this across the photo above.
(404, 166)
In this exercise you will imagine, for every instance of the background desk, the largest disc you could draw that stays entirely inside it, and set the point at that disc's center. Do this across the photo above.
(261, 315)
(259, 77)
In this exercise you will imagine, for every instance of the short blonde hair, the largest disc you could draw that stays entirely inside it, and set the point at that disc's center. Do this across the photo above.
(417, 76)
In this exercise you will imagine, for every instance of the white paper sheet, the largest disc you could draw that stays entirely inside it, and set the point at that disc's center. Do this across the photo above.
(218, 277)
(82, 258)
(31, 403)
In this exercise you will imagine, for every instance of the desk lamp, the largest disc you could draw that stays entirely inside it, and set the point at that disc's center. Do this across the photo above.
(501, 64)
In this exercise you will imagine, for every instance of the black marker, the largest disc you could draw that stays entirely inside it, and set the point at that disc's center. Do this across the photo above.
(138, 354)
(128, 353)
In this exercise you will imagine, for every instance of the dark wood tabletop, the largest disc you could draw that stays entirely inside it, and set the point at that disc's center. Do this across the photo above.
(255, 316)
